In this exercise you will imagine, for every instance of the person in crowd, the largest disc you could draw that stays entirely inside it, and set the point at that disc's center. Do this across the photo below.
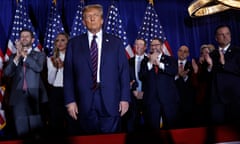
(96, 77)
(225, 100)
(27, 90)
(57, 114)
(160, 92)
(185, 87)
(135, 113)
(202, 83)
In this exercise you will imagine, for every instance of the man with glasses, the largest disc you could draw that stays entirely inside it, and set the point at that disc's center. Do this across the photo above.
(160, 93)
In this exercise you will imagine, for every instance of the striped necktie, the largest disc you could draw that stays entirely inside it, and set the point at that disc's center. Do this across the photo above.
(94, 59)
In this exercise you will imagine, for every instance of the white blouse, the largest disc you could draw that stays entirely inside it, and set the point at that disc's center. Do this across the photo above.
(55, 75)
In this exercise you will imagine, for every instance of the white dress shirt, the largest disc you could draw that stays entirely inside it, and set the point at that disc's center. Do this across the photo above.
(99, 46)
(138, 60)
(55, 75)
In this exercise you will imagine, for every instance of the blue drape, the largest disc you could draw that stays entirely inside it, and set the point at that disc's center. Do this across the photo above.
(178, 26)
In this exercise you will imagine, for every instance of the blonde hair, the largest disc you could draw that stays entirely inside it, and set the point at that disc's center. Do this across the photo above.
(210, 47)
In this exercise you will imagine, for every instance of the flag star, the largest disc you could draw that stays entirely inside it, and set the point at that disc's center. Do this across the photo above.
(78, 27)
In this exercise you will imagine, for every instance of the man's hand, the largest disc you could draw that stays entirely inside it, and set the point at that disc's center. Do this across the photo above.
(123, 107)
(72, 110)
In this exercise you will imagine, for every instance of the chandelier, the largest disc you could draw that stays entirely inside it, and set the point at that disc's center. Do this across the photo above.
(207, 7)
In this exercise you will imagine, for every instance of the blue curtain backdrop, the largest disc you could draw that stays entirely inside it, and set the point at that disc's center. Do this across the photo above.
(178, 26)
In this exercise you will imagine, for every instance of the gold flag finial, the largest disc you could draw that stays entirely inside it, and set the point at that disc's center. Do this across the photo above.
(151, 2)
(55, 2)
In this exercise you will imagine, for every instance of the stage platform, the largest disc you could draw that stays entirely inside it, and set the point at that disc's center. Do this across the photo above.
(199, 135)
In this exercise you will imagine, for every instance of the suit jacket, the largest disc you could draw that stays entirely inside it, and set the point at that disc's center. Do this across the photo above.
(34, 66)
(161, 86)
(132, 71)
(226, 78)
(114, 74)
(186, 88)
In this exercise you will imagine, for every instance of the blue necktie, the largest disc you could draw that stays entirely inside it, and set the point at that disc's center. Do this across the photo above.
(94, 58)
(138, 61)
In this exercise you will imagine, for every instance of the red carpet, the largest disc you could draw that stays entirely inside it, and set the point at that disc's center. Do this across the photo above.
(176, 136)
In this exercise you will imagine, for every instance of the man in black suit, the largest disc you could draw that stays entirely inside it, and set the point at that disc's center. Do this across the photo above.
(185, 86)
(160, 92)
(135, 113)
(27, 89)
(225, 98)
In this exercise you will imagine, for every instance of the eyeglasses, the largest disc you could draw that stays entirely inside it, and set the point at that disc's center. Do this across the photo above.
(152, 45)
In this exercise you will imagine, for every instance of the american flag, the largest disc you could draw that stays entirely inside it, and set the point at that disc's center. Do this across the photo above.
(54, 26)
(114, 26)
(78, 28)
(2, 114)
(1, 61)
(21, 21)
(151, 28)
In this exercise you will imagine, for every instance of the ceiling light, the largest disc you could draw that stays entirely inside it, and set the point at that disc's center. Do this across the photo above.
(205, 7)
(230, 3)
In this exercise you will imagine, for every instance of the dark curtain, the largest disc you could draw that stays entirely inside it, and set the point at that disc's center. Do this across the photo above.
(178, 26)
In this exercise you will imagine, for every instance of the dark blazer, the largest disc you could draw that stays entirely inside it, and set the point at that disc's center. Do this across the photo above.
(163, 82)
(34, 66)
(160, 92)
(114, 74)
(132, 71)
(226, 78)
(186, 88)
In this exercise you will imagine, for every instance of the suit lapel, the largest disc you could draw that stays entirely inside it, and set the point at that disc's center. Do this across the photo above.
(105, 46)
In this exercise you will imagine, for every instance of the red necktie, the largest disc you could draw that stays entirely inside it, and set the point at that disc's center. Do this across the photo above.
(156, 69)
(24, 77)
(94, 59)
(181, 65)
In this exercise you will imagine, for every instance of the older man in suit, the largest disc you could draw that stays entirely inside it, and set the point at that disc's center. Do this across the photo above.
(96, 84)
(27, 89)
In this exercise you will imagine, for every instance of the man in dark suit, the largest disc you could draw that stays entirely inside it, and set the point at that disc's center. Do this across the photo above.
(160, 93)
(27, 89)
(225, 98)
(135, 113)
(96, 102)
(185, 87)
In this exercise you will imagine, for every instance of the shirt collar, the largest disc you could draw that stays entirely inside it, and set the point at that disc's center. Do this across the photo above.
(224, 48)
(182, 61)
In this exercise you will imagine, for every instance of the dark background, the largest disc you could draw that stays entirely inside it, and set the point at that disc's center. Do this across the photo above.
(178, 26)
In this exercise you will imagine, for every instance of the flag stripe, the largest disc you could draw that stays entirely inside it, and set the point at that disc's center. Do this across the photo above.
(114, 26)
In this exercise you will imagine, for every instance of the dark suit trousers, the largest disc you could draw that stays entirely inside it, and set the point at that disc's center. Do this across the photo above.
(26, 115)
(98, 120)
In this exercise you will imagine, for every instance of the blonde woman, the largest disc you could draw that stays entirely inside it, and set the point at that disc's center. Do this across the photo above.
(57, 111)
